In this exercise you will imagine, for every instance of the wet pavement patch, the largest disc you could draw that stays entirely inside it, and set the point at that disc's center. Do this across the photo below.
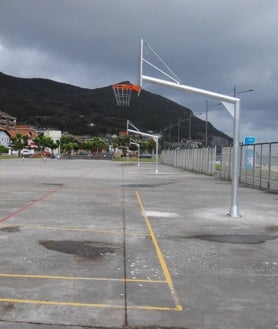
(10, 229)
(237, 238)
(138, 185)
(84, 249)
(8, 307)
(149, 185)
(272, 228)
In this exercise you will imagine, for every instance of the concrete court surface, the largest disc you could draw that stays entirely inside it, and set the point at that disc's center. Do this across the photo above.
(87, 244)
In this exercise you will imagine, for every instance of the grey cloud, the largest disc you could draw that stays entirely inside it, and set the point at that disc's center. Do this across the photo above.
(212, 45)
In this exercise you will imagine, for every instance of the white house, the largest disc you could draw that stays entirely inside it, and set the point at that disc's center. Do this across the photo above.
(55, 135)
(4, 137)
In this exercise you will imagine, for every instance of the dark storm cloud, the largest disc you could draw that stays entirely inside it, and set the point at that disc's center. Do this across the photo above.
(212, 45)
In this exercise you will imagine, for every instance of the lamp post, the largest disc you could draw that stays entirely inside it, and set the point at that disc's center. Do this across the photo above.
(164, 135)
(169, 129)
(179, 122)
(242, 92)
(190, 120)
(207, 107)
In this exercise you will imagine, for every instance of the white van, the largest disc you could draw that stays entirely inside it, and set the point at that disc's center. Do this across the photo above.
(27, 152)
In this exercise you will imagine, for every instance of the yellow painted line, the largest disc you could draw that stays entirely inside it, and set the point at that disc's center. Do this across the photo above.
(54, 277)
(77, 229)
(74, 304)
(155, 308)
(160, 256)
(44, 302)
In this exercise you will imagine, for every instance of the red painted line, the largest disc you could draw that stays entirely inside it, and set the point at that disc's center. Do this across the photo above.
(30, 204)
(40, 199)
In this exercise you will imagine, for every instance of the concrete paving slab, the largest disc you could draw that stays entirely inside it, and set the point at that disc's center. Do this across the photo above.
(87, 244)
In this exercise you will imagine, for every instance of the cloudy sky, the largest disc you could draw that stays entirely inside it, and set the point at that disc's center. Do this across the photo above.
(210, 44)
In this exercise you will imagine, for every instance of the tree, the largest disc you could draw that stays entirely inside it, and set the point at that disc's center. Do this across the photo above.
(98, 144)
(151, 145)
(19, 142)
(68, 139)
(69, 147)
(88, 146)
(52, 145)
(41, 141)
(115, 142)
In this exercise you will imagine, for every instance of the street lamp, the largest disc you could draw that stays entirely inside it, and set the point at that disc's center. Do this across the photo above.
(179, 122)
(169, 129)
(207, 107)
(189, 127)
(242, 92)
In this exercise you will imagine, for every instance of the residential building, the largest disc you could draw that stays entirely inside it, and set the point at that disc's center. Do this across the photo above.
(7, 121)
(4, 137)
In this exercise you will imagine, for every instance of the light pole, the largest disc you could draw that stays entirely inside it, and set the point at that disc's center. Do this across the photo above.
(242, 92)
(190, 120)
(207, 107)
(179, 122)
(164, 135)
(169, 129)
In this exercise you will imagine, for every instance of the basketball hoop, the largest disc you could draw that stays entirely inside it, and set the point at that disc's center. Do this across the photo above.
(122, 93)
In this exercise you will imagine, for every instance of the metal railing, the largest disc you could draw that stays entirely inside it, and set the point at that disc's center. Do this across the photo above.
(201, 160)
(258, 165)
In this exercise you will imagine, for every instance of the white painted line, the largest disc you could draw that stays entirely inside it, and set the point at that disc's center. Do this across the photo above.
(152, 213)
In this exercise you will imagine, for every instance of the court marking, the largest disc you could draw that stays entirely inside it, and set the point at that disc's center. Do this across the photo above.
(30, 204)
(58, 277)
(178, 306)
(75, 304)
(160, 255)
(75, 229)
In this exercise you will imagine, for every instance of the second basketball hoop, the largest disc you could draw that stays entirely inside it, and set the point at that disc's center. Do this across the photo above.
(123, 92)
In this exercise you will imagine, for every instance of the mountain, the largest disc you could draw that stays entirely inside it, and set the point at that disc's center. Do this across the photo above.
(44, 103)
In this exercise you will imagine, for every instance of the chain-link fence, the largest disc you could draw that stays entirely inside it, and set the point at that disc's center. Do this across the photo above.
(258, 165)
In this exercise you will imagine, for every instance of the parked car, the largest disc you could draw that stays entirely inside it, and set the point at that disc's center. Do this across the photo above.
(27, 152)
(145, 156)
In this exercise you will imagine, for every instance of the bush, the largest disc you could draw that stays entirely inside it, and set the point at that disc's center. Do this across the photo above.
(3, 149)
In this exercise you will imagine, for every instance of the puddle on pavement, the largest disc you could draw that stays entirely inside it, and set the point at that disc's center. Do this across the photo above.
(237, 238)
(10, 229)
(84, 249)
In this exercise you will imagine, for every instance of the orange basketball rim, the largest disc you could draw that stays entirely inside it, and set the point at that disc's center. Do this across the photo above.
(123, 92)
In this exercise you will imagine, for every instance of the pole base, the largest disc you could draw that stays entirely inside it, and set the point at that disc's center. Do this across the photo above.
(234, 212)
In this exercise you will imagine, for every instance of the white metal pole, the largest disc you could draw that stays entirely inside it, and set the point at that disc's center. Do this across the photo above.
(138, 163)
(156, 156)
(234, 211)
(140, 65)
(206, 138)
(189, 89)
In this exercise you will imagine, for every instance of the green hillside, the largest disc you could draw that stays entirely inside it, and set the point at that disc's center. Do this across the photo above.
(44, 103)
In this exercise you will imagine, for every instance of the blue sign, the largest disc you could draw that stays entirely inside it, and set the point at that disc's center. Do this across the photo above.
(249, 140)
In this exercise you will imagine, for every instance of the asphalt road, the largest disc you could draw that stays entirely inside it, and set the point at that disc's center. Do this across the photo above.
(96, 243)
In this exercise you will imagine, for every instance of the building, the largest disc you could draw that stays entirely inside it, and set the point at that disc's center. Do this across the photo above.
(7, 121)
(55, 135)
(4, 137)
